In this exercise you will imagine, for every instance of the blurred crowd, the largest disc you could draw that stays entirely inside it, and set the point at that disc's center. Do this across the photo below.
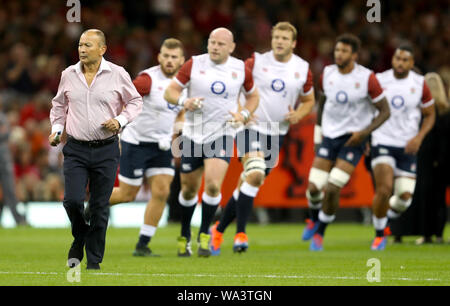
(37, 43)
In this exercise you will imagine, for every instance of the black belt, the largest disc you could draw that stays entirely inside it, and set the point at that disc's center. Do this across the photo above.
(93, 143)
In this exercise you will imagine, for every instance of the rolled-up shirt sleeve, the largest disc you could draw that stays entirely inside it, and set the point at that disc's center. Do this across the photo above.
(131, 99)
(60, 105)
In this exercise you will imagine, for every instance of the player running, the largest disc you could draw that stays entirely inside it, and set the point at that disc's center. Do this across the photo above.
(146, 143)
(214, 81)
(351, 94)
(281, 78)
(396, 143)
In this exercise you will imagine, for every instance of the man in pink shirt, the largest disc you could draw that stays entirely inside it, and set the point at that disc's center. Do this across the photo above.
(95, 99)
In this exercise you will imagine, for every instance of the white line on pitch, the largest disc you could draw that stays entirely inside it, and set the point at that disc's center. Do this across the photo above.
(223, 275)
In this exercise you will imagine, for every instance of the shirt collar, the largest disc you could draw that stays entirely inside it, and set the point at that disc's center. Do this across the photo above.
(104, 66)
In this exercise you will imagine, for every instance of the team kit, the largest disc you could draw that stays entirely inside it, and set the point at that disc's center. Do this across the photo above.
(196, 110)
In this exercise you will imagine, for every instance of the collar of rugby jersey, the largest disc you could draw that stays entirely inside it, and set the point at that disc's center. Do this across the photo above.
(104, 66)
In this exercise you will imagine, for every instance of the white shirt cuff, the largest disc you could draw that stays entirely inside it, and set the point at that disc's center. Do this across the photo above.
(57, 128)
(122, 120)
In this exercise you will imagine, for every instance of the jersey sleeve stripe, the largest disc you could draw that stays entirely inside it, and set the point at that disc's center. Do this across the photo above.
(179, 82)
(427, 104)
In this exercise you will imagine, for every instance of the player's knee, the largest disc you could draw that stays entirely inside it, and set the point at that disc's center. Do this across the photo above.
(255, 179)
(254, 171)
(384, 191)
(405, 196)
(212, 189)
(338, 178)
(317, 181)
(127, 196)
(161, 193)
(188, 193)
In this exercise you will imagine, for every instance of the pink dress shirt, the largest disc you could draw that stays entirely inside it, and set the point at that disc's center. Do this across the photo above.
(83, 109)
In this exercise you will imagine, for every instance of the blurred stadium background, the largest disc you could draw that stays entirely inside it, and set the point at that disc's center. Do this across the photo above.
(37, 43)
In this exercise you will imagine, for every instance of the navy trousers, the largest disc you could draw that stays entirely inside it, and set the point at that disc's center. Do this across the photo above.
(97, 167)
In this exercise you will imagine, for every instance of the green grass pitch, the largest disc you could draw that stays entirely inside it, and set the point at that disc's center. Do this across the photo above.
(276, 257)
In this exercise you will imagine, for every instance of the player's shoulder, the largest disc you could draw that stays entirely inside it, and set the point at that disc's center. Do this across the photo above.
(297, 59)
(361, 70)
(329, 69)
(201, 58)
(385, 75)
(416, 78)
(151, 71)
(235, 61)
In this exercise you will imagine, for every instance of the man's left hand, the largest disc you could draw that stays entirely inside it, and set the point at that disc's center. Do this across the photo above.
(292, 116)
(356, 139)
(112, 125)
(412, 147)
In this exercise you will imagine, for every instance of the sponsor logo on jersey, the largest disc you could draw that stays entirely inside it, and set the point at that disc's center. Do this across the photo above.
(397, 101)
(357, 85)
(160, 88)
(218, 87)
(341, 97)
(413, 90)
(265, 69)
(202, 72)
(297, 75)
(278, 85)
(234, 75)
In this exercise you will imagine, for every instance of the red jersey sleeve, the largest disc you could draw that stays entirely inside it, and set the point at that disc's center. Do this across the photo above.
(249, 84)
(250, 62)
(143, 84)
(308, 84)
(321, 82)
(427, 98)
(184, 74)
(374, 89)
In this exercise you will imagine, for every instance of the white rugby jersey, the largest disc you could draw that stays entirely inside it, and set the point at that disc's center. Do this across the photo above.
(349, 97)
(220, 86)
(279, 86)
(406, 97)
(155, 122)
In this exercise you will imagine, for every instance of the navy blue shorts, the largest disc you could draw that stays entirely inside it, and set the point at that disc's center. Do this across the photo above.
(193, 154)
(402, 163)
(143, 159)
(333, 148)
(250, 140)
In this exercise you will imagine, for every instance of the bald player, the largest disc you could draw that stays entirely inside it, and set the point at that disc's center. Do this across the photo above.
(396, 143)
(283, 79)
(214, 81)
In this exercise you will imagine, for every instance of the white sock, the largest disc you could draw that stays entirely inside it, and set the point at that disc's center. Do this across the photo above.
(249, 190)
(211, 200)
(379, 223)
(147, 230)
(187, 203)
(324, 218)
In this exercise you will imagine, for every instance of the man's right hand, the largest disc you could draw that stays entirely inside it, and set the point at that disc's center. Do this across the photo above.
(54, 139)
(192, 104)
